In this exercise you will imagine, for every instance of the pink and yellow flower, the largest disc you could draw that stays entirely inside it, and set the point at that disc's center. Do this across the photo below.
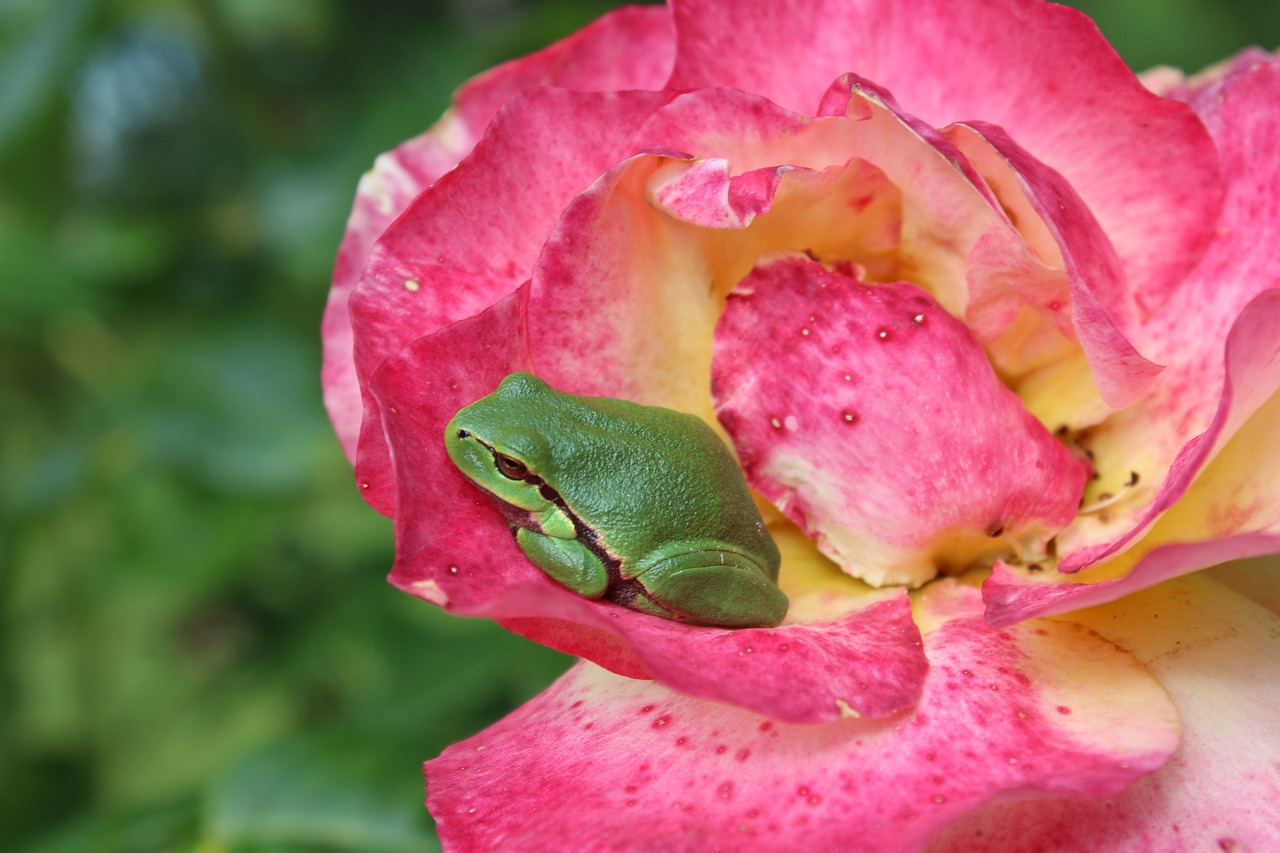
(991, 326)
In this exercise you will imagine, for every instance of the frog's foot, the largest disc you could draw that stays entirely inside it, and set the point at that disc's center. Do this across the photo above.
(711, 587)
(566, 561)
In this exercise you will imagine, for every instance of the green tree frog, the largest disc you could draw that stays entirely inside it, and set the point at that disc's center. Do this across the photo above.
(640, 505)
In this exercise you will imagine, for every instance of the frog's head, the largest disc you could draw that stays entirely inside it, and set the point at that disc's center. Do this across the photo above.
(499, 443)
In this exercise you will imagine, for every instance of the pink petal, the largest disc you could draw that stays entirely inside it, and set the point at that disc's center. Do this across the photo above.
(454, 549)
(1172, 83)
(630, 48)
(872, 418)
(1203, 399)
(1219, 657)
(1040, 71)
(624, 296)
(451, 253)
(1010, 598)
(1225, 511)
(1102, 314)
(630, 765)
(384, 191)
(1026, 313)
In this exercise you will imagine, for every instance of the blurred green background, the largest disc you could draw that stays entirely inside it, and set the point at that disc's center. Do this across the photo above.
(197, 648)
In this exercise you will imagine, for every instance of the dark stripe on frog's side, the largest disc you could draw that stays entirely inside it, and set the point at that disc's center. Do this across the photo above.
(620, 590)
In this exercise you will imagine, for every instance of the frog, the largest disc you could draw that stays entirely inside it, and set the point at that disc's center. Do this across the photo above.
(640, 505)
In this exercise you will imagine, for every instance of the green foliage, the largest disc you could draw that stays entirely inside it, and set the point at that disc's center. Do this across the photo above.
(197, 650)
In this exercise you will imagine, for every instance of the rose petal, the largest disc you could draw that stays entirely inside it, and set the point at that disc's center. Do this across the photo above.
(1172, 83)
(1219, 657)
(624, 298)
(1178, 425)
(1040, 71)
(630, 48)
(866, 662)
(1102, 315)
(1229, 510)
(627, 764)
(872, 418)
(449, 255)
(384, 191)
(1203, 399)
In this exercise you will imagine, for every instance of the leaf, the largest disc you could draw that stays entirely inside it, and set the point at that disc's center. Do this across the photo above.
(319, 790)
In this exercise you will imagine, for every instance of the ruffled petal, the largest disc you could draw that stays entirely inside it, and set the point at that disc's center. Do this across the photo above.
(1040, 71)
(1218, 655)
(1103, 317)
(630, 764)
(1230, 510)
(872, 418)
(630, 48)
(1219, 396)
(632, 279)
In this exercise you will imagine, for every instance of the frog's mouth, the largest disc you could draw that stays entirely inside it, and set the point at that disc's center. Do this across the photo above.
(514, 515)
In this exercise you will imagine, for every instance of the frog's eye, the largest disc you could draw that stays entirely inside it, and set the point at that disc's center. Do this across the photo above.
(510, 467)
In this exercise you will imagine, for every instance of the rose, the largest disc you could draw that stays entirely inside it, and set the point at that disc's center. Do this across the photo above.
(1051, 291)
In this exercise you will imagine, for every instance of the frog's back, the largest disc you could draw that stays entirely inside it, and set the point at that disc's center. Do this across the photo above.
(651, 475)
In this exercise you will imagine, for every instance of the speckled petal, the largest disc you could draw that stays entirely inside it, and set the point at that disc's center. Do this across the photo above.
(630, 282)
(630, 48)
(1180, 423)
(1041, 284)
(1230, 510)
(1041, 71)
(631, 765)
(1156, 461)
(1218, 655)
(872, 418)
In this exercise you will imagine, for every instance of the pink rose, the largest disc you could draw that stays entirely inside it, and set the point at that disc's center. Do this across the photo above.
(991, 326)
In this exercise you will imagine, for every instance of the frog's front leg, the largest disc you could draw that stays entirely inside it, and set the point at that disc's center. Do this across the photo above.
(709, 584)
(566, 561)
